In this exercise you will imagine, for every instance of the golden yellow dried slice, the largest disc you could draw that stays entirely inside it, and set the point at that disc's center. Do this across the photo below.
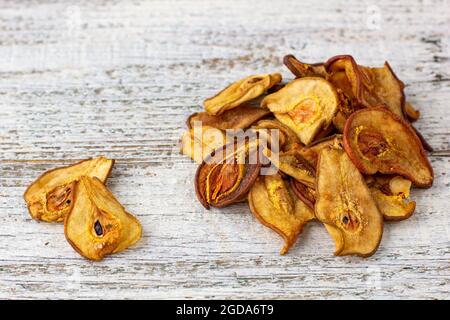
(275, 205)
(391, 195)
(50, 197)
(305, 105)
(345, 204)
(241, 117)
(98, 224)
(241, 91)
(294, 165)
(199, 142)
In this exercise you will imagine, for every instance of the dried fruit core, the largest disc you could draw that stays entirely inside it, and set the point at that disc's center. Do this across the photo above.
(224, 178)
(59, 198)
(279, 196)
(349, 217)
(371, 143)
(304, 112)
(98, 228)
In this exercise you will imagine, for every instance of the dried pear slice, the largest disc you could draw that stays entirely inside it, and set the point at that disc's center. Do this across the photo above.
(275, 206)
(379, 141)
(238, 118)
(311, 152)
(50, 197)
(291, 139)
(304, 193)
(391, 195)
(198, 143)
(98, 224)
(411, 112)
(306, 105)
(294, 165)
(226, 177)
(344, 203)
(301, 69)
(239, 92)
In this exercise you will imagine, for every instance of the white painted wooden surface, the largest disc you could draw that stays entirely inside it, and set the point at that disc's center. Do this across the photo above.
(119, 78)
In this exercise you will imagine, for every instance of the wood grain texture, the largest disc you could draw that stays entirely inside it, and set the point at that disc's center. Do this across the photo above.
(119, 79)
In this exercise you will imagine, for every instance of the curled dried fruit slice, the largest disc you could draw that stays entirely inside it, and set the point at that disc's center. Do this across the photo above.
(50, 197)
(226, 177)
(366, 86)
(290, 138)
(379, 141)
(311, 152)
(391, 195)
(306, 105)
(301, 69)
(344, 203)
(294, 165)
(199, 142)
(275, 206)
(239, 118)
(304, 193)
(98, 225)
(241, 91)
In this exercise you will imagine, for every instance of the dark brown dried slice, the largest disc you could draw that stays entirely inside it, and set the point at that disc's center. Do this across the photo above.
(311, 152)
(304, 193)
(273, 203)
(50, 197)
(240, 91)
(301, 69)
(391, 194)
(305, 105)
(98, 225)
(345, 205)
(238, 118)
(199, 142)
(294, 165)
(379, 141)
(226, 176)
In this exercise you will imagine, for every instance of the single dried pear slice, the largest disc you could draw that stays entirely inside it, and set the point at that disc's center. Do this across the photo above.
(311, 152)
(199, 142)
(238, 118)
(306, 105)
(226, 176)
(391, 195)
(239, 92)
(294, 165)
(301, 69)
(345, 204)
(50, 197)
(379, 141)
(275, 205)
(98, 224)
(290, 138)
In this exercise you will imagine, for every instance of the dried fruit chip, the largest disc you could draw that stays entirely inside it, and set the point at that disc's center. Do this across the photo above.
(198, 143)
(301, 69)
(294, 165)
(226, 177)
(366, 86)
(98, 225)
(344, 203)
(311, 152)
(50, 197)
(304, 193)
(241, 91)
(290, 138)
(379, 141)
(391, 195)
(306, 105)
(239, 118)
(276, 207)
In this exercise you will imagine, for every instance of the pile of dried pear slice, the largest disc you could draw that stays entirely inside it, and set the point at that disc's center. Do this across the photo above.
(345, 152)
(95, 223)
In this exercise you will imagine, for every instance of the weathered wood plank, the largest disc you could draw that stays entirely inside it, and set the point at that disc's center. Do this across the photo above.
(119, 79)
